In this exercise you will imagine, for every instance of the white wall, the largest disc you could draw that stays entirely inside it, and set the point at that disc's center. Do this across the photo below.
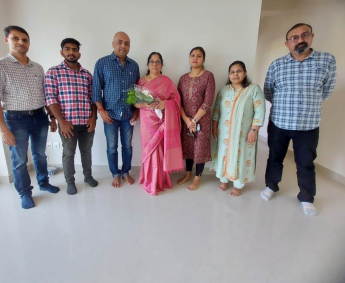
(171, 27)
(3, 51)
(328, 21)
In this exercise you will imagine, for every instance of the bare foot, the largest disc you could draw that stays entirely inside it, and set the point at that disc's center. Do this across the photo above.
(129, 179)
(116, 183)
(195, 185)
(235, 192)
(185, 179)
(223, 186)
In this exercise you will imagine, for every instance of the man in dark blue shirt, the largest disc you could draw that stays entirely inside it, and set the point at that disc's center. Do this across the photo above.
(113, 76)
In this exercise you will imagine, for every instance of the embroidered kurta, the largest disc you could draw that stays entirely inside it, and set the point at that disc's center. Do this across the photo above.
(235, 158)
(197, 93)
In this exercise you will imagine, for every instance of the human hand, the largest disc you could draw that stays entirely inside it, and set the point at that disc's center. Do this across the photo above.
(105, 117)
(135, 116)
(91, 124)
(160, 105)
(53, 125)
(252, 136)
(215, 131)
(8, 138)
(66, 129)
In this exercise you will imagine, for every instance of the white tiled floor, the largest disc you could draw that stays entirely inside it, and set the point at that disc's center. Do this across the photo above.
(125, 235)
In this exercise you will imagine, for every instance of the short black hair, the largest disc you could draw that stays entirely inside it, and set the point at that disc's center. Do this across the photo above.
(7, 30)
(297, 26)
(70, 40)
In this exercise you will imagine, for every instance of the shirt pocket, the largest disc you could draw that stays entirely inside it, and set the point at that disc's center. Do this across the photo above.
(317, 76)
(38, 80)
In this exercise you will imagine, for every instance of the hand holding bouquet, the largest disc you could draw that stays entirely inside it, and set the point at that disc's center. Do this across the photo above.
(139, 94)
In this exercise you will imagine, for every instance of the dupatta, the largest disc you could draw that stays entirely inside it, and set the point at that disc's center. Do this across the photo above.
(236, 115)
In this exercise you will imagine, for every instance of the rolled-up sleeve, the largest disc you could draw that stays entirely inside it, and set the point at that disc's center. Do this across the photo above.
(51, 88)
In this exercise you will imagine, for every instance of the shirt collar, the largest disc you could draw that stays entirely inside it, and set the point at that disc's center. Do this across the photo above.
(311, 55)
(113, 57)
(64, 65)
(14, 59)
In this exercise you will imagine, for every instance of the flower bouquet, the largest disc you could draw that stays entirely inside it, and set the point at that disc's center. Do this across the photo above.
(139, 94)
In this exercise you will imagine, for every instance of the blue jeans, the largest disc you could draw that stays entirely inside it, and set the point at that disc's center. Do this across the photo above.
(111, 133)
(23, 127)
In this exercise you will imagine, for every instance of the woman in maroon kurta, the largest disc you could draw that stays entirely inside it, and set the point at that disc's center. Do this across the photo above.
(196, 89)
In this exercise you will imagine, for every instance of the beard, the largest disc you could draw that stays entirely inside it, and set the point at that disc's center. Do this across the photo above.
(300, 48)
(71, 61)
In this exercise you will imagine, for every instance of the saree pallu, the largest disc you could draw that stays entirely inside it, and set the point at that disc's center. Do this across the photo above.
(160, 138)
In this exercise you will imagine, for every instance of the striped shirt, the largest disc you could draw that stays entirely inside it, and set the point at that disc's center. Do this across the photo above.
(296, 90)
(21, 87)
(72, 91)
(111, 82)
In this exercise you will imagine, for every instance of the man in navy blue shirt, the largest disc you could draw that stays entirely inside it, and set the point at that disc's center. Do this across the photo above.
(113, 76)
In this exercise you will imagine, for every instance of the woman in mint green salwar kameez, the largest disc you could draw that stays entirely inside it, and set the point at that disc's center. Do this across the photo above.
(238, 114)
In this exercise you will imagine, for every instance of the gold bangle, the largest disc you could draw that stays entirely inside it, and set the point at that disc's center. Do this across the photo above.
(5, 133)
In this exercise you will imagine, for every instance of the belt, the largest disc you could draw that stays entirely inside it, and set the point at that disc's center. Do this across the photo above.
(26, 112)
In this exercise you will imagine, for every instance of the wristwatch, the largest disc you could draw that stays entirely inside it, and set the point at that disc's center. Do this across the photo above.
(254, 130)
(194, 120)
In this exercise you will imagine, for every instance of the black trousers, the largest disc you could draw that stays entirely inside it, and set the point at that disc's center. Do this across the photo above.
(199, 167)
(304, 146)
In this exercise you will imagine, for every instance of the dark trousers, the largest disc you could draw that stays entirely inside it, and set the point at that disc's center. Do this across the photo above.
(199, 167)
(304, 146)
(85, 140)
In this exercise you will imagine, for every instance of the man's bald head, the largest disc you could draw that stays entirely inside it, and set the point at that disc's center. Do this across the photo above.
(121, 45)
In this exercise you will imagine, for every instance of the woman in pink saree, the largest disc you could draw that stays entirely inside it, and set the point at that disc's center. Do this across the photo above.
(160, 137)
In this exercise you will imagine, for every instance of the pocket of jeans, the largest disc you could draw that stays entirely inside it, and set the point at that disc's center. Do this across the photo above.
(12, 116)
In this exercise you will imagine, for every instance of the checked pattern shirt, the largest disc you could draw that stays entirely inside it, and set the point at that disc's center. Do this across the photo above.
(72, 91)
(296, 90)
(111, 82)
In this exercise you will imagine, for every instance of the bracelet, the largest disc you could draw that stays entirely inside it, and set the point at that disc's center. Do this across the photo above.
(100, 109)
(5, 133)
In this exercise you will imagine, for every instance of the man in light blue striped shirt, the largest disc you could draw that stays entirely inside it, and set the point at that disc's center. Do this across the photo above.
(296, 85)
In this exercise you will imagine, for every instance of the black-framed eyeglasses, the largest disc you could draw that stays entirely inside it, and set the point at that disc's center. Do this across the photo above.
(295, 38)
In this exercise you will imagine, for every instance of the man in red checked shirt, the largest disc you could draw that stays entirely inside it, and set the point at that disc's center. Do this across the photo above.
(68, 89)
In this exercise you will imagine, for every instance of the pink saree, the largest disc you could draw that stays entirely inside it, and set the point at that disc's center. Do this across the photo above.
(160, 139)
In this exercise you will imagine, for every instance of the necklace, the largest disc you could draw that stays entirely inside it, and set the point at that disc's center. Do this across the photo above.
(192, 82)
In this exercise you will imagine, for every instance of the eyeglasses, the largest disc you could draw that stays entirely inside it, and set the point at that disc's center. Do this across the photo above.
(155, 62)
(236, 72)
(295, 38)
